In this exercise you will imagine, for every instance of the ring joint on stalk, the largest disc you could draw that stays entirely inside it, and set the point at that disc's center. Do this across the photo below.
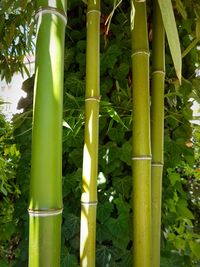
(93, 98)
(141, 158)
(140, 52)
(45, 213)
(92, 203)
(158, 72)
(157, 164)
(94, 11)
(51, 10)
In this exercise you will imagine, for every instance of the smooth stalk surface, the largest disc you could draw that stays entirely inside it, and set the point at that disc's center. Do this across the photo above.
(45, 206)
(141, 152)
(90, 153)
(157, 128)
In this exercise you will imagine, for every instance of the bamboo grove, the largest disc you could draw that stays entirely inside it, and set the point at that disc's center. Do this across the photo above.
(147, 156)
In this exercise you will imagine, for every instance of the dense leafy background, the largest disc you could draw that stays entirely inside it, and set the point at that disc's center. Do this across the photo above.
(181, 189)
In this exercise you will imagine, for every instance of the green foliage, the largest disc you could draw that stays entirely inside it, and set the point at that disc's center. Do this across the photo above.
(9, 192)
(17, 34)
(180, 213)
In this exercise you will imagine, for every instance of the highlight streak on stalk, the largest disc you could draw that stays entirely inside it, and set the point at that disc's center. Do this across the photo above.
(45, 206)
(157, 127)
(141, 151)
(90, 153)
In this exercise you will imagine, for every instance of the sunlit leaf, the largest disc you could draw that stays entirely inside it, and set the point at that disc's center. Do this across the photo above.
(172, 34)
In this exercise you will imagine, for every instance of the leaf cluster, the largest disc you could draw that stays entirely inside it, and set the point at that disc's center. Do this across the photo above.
(17, 29)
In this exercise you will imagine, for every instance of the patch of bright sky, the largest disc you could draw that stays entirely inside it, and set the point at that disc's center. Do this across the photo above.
(11, 93)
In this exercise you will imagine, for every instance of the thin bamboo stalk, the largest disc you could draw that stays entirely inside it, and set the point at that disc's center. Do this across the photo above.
(141, 151)
(45, 206)
(157, 127)
(90, 153)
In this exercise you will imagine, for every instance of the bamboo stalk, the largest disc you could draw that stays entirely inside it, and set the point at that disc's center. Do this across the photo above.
(90, 153)
(45, 206)
(157, 127)
(141, 151)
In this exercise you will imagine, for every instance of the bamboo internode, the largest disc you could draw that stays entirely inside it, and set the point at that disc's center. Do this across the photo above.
(90, 152)
(157, 127)
(141, 148)
(45, 205)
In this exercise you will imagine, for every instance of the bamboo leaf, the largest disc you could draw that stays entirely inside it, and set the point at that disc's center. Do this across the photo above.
(190, 46)
(65, 124)
(114, 115)
(181, 8)
(198, 27)
(172, 34)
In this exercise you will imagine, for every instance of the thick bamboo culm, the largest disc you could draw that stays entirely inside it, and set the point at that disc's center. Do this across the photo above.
(141, 149)
(90, 153)
(157, 127)
(45, 206)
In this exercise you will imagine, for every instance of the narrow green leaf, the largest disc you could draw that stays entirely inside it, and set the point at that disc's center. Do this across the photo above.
(65, 124)
(172, 34)
(114, 115)
(181, 8)
(198, 28)
(191, 46)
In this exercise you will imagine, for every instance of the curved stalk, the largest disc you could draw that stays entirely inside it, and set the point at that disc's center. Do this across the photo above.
(45, 206)
(141, 152)
(157, 127)
(90, 153)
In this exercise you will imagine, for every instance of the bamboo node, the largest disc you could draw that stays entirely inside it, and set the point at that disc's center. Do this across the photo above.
(94, 11)
(142, 158)
(51, 10)
(157, 164)
(158, 72)
(94, 98)
(92, 203)
(44, 213)
(145, 52)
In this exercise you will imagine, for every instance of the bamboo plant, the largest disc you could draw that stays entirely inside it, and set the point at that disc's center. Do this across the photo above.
(45, 206)
(90, 153)
(157, 127)
(141, 148)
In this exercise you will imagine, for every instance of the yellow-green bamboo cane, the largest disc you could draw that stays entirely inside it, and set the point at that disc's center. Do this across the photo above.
(141, 151)
(45, 206)
(157, 127)
(90, 153)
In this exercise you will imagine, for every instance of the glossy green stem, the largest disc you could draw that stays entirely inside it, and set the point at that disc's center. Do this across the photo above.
(90, 153)
(157, 127)
(141, 149)
(45, 205)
